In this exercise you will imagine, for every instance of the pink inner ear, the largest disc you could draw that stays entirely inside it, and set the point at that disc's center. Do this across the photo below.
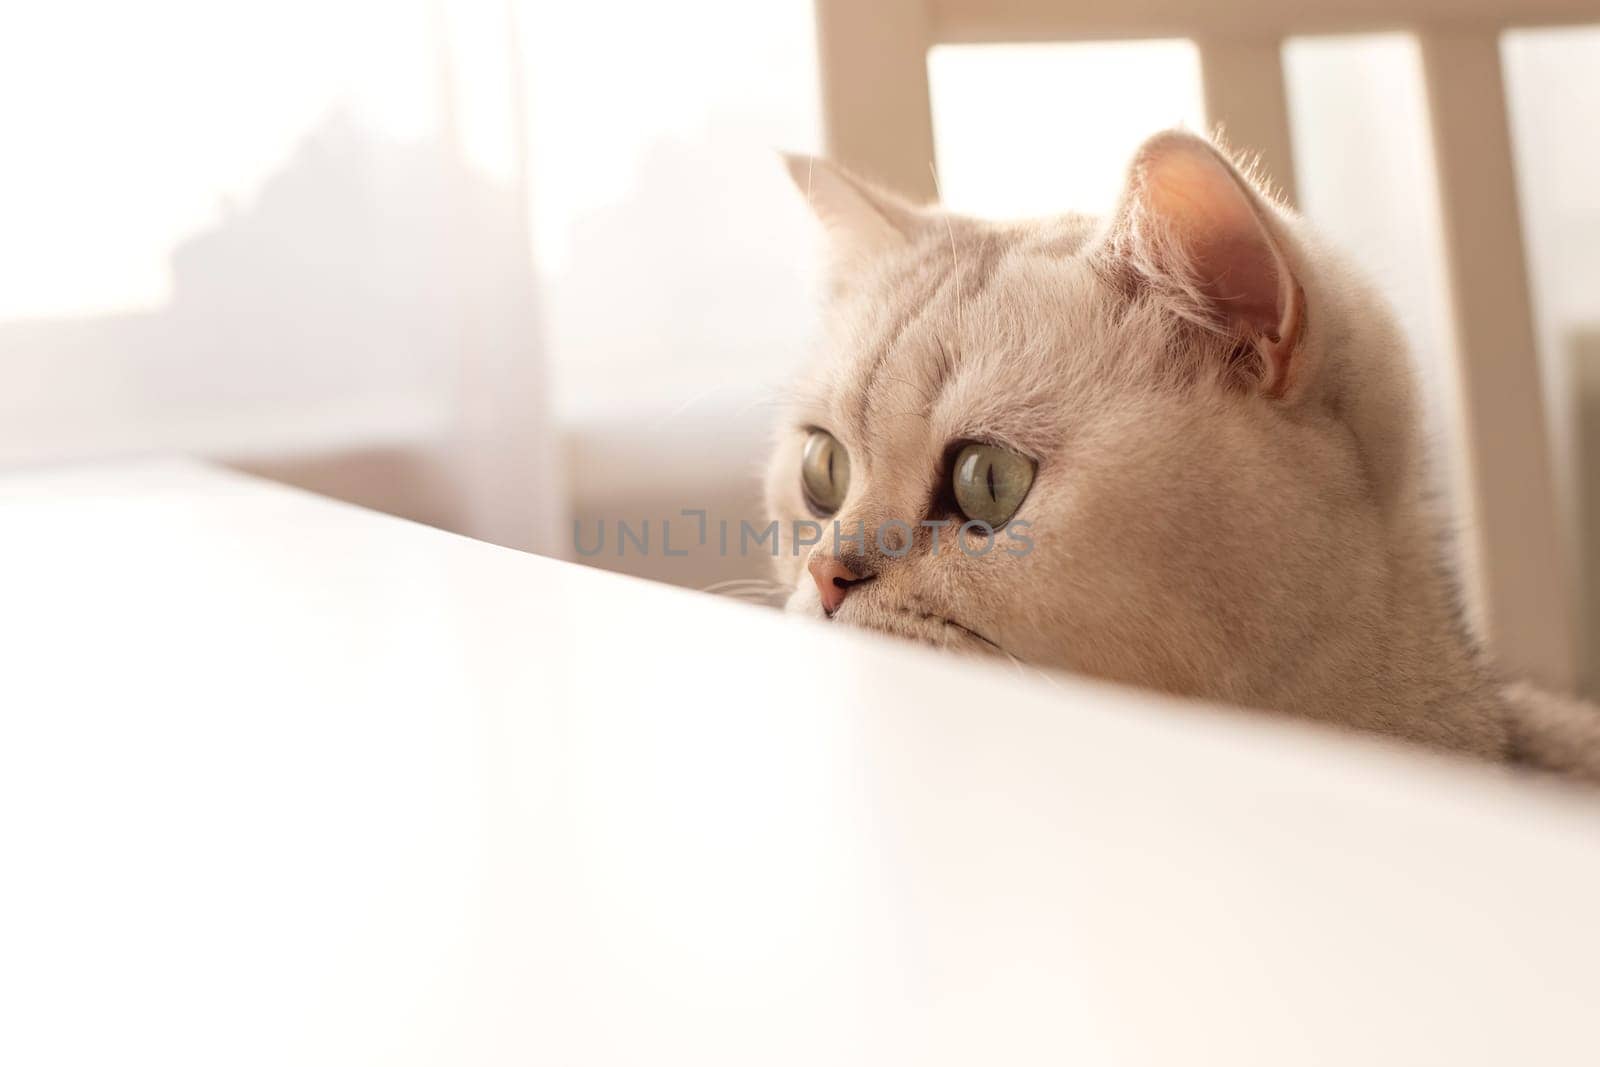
(1200, 204)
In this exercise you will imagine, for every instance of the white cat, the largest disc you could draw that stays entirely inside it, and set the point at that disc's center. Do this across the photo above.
(1191, 428)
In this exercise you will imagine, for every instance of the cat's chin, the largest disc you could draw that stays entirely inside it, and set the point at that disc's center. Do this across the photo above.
(923, 627)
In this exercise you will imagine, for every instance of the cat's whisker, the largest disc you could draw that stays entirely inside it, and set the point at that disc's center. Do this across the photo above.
(762, 584)
(774, 396)
(760, 602)
(955, 260)
(753, 596)
(741, 589)
(1028, 668)
(909, 384)
(685, 406)
(761, 402)
(754, 591)
(1017, 666)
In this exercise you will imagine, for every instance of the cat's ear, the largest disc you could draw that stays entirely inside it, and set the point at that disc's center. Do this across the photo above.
(862, 222)
(1194, 228)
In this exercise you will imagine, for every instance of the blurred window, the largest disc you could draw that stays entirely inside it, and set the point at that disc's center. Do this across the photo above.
(247, 229)
(131, 127)
(1038, 129)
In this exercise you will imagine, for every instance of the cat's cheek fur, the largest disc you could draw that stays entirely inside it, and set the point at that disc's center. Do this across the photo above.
(1198, 559)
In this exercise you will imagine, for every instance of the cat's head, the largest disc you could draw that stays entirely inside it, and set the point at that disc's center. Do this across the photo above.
(1188, 427)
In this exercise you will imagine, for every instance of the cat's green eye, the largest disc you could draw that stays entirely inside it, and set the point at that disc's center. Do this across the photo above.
(990, 483)
(824, 472)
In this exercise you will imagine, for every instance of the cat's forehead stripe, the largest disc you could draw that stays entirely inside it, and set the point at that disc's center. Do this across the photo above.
(865, 381)
(952, 283)
(973, 279)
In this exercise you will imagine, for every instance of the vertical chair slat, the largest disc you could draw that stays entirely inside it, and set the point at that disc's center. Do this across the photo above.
(1526, 609)
(874, 70)
(1244, 92)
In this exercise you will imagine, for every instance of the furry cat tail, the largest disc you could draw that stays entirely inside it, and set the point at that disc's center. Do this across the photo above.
(1553, 733)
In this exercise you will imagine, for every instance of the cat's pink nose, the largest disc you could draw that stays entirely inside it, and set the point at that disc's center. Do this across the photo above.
(834, 579)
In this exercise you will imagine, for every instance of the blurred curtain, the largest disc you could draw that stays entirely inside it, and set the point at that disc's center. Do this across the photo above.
(291, 237)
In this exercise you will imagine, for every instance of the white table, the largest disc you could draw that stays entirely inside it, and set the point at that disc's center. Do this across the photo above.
(286, 782)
